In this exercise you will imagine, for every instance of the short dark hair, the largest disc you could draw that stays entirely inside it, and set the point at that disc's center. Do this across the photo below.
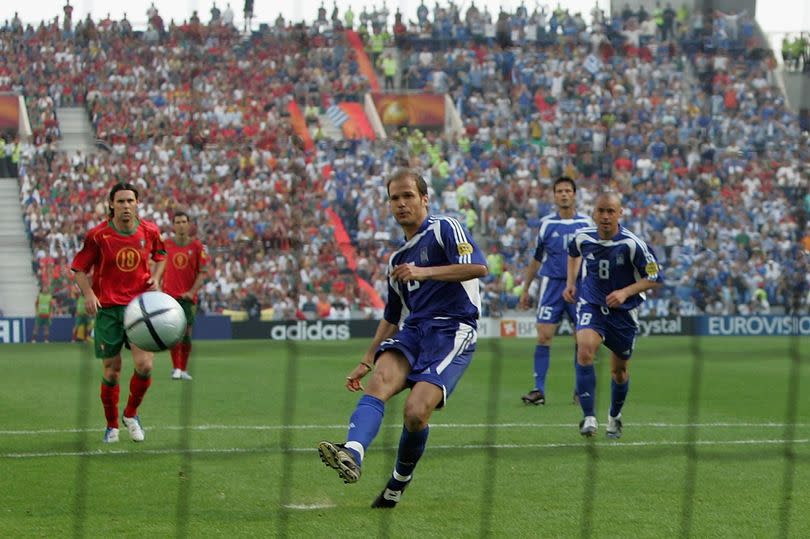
(120, 186)
(564, 179)
(402, 173)
(181, 213)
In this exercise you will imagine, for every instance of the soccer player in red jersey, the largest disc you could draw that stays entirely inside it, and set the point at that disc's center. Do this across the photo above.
(185, 274)
(116, 255)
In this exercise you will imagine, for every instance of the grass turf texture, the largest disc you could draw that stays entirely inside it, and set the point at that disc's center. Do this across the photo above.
(233, 452)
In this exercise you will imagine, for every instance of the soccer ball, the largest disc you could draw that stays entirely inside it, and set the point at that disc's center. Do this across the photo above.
(154, 321)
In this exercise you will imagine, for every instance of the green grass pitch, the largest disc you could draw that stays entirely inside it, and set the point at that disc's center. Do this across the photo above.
(716, 444)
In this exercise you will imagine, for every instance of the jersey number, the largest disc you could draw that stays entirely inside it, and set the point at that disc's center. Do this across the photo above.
(585, 319)
(604, 269)
(413, 285)
(544, 313)
(566, 240)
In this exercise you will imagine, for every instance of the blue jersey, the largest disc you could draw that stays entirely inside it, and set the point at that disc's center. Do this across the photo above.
(552, 243)
(609, 265)
(440, 241)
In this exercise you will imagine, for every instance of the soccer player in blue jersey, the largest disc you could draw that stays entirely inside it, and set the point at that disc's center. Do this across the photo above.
(425, 340)
(551, 258)
(617, 268)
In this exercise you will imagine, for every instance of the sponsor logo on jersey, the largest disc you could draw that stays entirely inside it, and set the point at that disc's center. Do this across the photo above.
(127, 259)
(465, 248)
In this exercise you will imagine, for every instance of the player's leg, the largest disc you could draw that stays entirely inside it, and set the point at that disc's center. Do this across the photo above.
(108, 344)
(109, 393)
(620, 339)
(191, 311)
(619, 386)
(46, 329)
(550, 307)
(571, 311)
(37, 329)
(176, 353)
(387, 379)
(590, 331)
(542, 358)
(423, 399)
(139, 383)
(446, 354)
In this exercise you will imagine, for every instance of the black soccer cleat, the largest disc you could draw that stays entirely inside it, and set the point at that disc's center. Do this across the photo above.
(535, 396)
(341, 459)
(388, 499)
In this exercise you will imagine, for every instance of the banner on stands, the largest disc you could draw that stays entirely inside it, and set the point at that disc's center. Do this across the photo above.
(762, 325)
(20, 330)
(305, 330)
(524, 326)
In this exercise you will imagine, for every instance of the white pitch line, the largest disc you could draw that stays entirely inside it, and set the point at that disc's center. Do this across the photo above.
(215, 451)
(309, 506)
(655, 425)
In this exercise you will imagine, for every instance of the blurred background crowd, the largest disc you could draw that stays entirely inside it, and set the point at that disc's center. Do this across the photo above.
(679, 111)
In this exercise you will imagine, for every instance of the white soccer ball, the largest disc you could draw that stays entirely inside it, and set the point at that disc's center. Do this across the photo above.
(154, 321)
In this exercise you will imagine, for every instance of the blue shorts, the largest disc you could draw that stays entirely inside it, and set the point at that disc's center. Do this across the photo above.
(550, 303)
(617, 327)
(439, 352)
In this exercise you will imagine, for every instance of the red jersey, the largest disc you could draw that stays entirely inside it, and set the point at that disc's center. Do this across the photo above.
(183, 264)
(119, 261)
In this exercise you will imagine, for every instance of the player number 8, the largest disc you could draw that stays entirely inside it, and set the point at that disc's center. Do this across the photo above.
(604, 269)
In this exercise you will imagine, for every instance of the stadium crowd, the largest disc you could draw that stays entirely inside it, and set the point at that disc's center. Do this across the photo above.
(680, 112)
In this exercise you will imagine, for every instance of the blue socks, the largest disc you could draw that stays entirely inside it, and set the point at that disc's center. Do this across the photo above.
(364, 425)
(541, 355)
(586, 387)
(618, 392)
(411, 447)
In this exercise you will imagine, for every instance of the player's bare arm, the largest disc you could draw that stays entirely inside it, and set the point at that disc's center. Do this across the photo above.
(157, 275)
(91, 302)
(570, 292)
(618, 297)
(385, 330)
(449, 273)
(191, 293)
(531, 271)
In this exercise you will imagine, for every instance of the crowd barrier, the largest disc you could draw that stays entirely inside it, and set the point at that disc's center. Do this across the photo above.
(19, 330)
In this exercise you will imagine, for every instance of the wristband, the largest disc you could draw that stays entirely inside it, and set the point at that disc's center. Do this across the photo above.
(368, 365)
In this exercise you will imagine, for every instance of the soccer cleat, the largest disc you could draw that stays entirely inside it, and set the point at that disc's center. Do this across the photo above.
(181, 375)
(110, 436)
(337, 456)
(388, 498)
(614, 426)
(588, 426)
(535, 396)
(133, 424)
(176, 374)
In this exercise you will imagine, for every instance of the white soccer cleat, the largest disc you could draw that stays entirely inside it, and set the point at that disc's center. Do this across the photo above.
(133, 424)
(588, 426)
(176, 373)
(185, 375)
(110, 436)
(614, 426)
